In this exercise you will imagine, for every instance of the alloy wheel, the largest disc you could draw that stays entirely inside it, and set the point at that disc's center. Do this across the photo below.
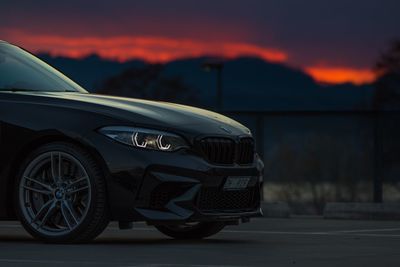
(55, 193)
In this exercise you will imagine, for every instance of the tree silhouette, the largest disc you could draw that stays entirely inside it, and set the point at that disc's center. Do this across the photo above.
(387, 93)
(386, 97)
(149, 83)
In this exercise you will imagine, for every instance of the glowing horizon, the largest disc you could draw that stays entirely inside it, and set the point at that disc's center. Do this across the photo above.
(339, 75)
(153, 49)
(156, 49)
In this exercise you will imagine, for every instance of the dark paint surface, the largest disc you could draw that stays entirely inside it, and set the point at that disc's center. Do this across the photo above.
(29, 119)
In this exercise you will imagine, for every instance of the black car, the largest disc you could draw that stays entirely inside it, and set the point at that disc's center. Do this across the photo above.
(71, 161)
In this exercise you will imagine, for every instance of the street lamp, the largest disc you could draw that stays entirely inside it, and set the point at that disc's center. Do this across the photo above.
(217, 65)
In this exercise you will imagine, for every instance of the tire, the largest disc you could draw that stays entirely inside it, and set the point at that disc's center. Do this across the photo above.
(189, 231)
(61, 194)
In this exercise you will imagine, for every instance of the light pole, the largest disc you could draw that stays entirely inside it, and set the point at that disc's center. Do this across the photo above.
(218, 66)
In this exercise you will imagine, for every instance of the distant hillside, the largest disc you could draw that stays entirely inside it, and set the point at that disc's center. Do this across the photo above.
(248, 83)
(90, 71)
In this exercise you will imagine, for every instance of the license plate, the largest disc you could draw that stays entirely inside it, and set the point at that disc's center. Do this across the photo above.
(236, 183)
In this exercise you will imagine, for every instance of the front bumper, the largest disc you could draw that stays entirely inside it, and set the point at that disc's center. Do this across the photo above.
(199, 197)
(162, 187)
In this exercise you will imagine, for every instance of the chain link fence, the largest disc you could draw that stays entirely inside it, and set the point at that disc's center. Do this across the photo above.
(312, 158)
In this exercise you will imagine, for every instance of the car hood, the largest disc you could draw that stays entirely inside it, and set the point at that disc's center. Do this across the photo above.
(149, 113)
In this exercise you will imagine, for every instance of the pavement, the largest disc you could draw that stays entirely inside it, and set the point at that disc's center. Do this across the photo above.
(299, 241)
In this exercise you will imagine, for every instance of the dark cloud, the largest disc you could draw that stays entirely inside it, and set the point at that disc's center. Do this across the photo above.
(312, 31)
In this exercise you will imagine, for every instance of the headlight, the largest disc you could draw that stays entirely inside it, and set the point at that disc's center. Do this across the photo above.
(144, 138)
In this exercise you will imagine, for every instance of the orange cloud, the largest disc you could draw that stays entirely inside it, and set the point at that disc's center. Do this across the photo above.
(337, 75)
(164, 49)
(152, 49)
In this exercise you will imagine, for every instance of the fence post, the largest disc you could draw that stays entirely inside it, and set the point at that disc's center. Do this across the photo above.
(378, 179)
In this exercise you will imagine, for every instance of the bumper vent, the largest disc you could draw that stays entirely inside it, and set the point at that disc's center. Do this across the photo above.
(163, 193)
(215, 200)
(227, 151)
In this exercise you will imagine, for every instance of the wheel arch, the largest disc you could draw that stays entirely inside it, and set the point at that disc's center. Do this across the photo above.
(31, 146)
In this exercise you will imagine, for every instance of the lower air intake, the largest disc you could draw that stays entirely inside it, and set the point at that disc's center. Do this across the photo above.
(214, 199)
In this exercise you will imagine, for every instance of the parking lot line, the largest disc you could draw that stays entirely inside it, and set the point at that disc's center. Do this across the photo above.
(32, 261)
(39, 261)
(360, 232)
(354, 232)
(367, 230)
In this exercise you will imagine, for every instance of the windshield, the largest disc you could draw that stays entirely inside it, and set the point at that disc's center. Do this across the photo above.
(21, 71)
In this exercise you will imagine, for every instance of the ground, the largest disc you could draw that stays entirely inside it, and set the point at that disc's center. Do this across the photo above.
(300, 241)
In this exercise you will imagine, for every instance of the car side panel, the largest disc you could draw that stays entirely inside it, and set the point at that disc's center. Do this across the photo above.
(24, 123)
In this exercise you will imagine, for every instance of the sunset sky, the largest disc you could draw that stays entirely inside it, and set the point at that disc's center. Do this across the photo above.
(333, 41)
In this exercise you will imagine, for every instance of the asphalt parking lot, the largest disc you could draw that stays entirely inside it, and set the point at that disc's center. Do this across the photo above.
(263, 242)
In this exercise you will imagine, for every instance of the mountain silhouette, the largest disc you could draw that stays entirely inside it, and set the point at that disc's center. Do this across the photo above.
(90, 71)
(250, 84)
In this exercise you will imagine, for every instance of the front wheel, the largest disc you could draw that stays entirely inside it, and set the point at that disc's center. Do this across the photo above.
(197, 230)
(61, 195)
